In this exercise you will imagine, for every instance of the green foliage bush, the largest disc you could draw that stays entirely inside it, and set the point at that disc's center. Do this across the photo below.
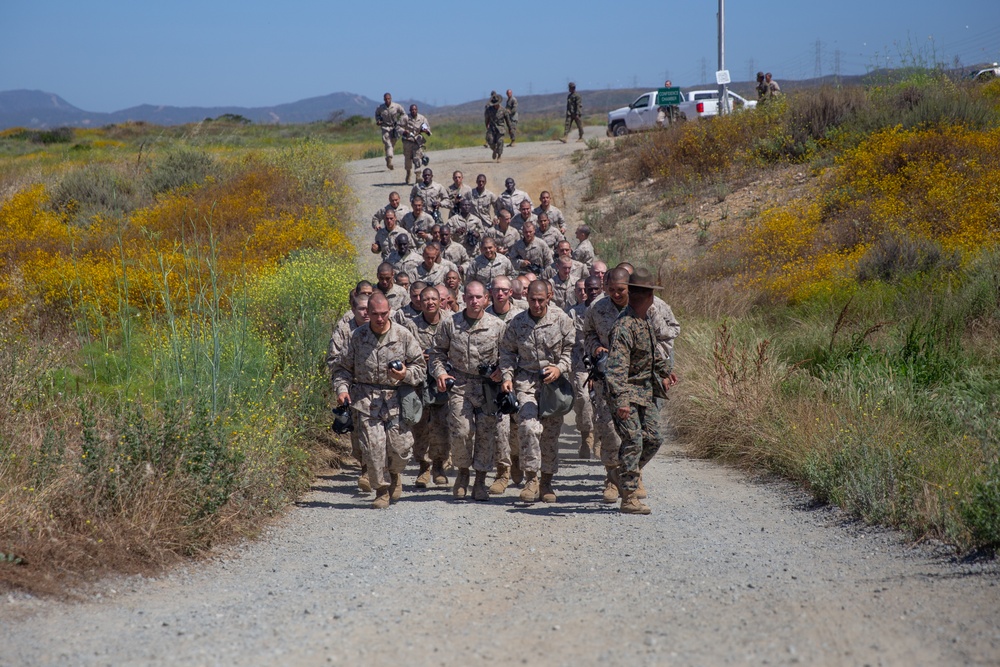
(180, 168)
(95, 189)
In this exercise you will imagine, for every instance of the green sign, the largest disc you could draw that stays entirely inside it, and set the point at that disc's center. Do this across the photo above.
(668, 97)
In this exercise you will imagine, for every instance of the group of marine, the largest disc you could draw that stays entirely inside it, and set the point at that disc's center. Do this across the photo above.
(484, 327)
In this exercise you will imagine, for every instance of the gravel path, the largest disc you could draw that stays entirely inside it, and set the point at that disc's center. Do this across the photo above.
(727, 570)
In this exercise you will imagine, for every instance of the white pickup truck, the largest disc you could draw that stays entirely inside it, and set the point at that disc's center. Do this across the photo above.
(642, 114)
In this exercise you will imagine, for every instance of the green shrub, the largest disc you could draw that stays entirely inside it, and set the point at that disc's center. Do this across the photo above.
(981, 512)
(95, 189)
(180, 168)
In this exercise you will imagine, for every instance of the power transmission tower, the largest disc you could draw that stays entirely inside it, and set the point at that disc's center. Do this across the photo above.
(635, 81)
(818, 70)
(530, 86)
(836, 64)
(704, 71)
(751, 72)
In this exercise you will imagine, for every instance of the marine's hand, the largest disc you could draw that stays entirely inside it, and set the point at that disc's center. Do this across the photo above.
(624, 412)
(551, 374)
(441, 379)
(397, 375)
(343, 397)
(507, 385)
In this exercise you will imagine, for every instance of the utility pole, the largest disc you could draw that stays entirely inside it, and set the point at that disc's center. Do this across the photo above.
(723, 89)
(818, 69)
(750, 70)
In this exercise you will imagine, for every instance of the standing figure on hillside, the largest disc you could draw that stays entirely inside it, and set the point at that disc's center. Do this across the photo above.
(762, 89)
(387, 116)
(412, 130)
(512, 115)
(773, 89)
(497, 122)
(574, 113)
(380, 357)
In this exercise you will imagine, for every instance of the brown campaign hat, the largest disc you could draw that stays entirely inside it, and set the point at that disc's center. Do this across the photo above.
(642, 277)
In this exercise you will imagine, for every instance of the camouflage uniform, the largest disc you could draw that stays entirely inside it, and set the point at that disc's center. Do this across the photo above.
(505, 239)
(413, 147)
(397, 296)
(435, 196)
(455, 195)
(485, 271)
(407, 312)
(597, 323)
(665, 328)
(430, 436)
(633, 369)
(564, 292)
(363, 371)
(584, 253)
(378, 219)
(387, 117)
(528, 347)
(386, 240)
(460, 228)
(583, 407)
(552, 236)
(556, 216)
(496, 122)
(406, 263)
(507, 442)
(517, 222)
(511, 200)
(538, 252)
(435, 275)
(456, 254)
(338, 343)
(579, 271)
(483, 204)
(417, 226)
(511, 108)
(472, 424)
(574, 112)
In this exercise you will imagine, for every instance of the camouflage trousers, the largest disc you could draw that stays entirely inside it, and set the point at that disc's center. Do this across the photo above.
(574, 120)
(582, 406)
(388, 142)
(495, 139)
(604, 425)
(385, 447)
(430, 435)
(641, 440)
(513, 130)
(507, 442)
(472, 431)
(538, 437)
(413, 152)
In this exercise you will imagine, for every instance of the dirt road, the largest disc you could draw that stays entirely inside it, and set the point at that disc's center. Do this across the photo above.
(727, 570)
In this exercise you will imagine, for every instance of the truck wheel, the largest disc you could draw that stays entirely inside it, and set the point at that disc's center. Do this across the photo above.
(619, 129)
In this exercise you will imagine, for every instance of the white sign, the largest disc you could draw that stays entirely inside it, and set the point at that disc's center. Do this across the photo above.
(722, 77)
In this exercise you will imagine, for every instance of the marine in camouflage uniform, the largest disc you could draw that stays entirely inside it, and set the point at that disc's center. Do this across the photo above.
(597, 323)
(363, 375)
(431, 444)
(394, 205)
(637, 374)
(508, 449)
(488, 265)
(470, 342)
(452, 251)
(524, 215)
(584, 251)
(435, 195)
(468, 228)
(412, 127)
(539, 339)
(338, 343)
(387, 116)
(510, 199)
(511, 107)
(564, 284)
(385, 237)
(457, 191)
(548, 232)
(530, 253)
(418, 222)
(504, 235)
(556, 216)
(396, 295)
(497, 122)
(574, 112)
(583, 407)
(483, 200)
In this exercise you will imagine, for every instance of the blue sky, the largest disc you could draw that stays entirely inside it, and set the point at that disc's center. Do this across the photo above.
(106, 55)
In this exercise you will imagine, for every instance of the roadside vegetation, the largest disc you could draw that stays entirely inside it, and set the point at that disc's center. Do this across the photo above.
(165, 306)
(846, 336)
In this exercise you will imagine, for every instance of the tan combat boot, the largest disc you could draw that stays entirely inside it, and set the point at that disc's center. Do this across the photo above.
(381, 498)
(545, 492)
(610, 486)
(395, 486)
(563, 138)
(388, 163)
(586, 444)
(501, 481)
(529, 493)
(516, 474)
(424, 478)
(640, 493)
(437, 471)
(461, 488)
(407, 177)
(364, 484)
(631, 504)
(479, 491)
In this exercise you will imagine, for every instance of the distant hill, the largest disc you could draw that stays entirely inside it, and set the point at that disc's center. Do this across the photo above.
(42, 110)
